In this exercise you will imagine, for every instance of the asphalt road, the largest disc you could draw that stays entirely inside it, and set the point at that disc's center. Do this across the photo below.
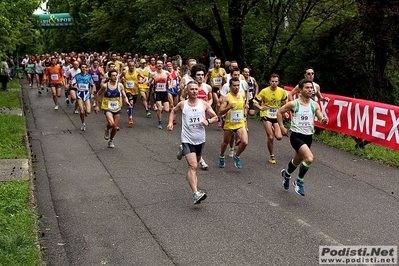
(132, 205)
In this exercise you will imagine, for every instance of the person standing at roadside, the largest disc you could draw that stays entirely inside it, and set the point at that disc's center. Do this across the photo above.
(194, 122)
(111, 104)
(54, 80)
(304, 110)
(4, 74)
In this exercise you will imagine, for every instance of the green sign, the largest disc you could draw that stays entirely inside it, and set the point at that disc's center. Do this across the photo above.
(61, 20)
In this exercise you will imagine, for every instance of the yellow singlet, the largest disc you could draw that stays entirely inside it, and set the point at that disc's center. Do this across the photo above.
(235, 117)
(131, 82)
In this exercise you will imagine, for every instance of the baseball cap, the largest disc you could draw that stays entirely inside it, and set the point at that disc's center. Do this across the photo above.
(142, 61)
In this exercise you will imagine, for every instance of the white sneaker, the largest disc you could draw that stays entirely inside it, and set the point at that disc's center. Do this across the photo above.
(56, 107)
(198, 197)
(203, 165)
(231, 152)
(106, 134)
(76, 112)
(111, 144)
(83, 127)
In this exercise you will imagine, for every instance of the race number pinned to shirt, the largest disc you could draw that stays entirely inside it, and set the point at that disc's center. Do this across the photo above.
(161, 87)
(54, 76)
(83, 87)
(113, 105)
(271, 112)
(236, 116)
(95, 77)
(130, 84)
(194, 122)
(217, 81)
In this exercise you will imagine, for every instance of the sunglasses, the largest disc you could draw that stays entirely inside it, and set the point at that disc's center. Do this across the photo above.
(309, 73)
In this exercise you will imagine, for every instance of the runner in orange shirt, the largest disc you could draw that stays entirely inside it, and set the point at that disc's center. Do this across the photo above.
(54, 79)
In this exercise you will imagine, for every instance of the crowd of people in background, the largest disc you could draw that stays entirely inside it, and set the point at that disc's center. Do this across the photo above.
(228, 94)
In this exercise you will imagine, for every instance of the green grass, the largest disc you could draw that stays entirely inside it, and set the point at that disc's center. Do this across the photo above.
(10, 99)
(371, 151)
(12, 142)
(14, 84)
(18, 219)
(17, 231)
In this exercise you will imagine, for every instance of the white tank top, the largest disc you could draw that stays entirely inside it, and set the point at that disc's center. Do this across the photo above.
(193, 132)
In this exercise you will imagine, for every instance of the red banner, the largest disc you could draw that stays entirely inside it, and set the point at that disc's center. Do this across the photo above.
(372, 121)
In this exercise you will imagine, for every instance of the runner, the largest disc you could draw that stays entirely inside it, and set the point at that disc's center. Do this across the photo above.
(39, 72)
(97, 74)
(193, 133)
(233, 106)
(268, 101)
(216, 76)
(173, 86)
(197, 73)
(111, 104)
(83, 82)
(160, 78)
(304, 110)
(54, 79)
(144, 88)
(130, 78)
(72, 89)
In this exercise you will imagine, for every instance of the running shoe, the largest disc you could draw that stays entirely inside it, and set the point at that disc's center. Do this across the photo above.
(237, 161)
(148, 113)
(286, 182)
(106, 134)
(83, 127)
(39, 91)
(220, 124)
(272, 159)
(85, 113)
(174, 122)
(56, 107)
(130, 121)
(160, 125)
(203, 165)
(111, 144)
(231, 152)
(299, 187)
(76, 112)
(67, 101)
(198, 197)
(222, 164)
(180, 153)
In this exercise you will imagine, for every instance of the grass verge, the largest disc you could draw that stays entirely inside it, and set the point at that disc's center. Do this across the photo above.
(12, 142)
(371, 151)
(18, 217)
(17, 230)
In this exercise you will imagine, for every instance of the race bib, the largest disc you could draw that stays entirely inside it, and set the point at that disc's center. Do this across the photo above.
(161, 87)
(236, 116)
(83, 87)
(113, 105)
(194, 122)
(95, 77)
(251, 95)
(217, 81)
(130, 84)
(54, 76)
(272, 112)
(303, 119)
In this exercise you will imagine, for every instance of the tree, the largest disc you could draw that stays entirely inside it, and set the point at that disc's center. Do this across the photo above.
(17, 24)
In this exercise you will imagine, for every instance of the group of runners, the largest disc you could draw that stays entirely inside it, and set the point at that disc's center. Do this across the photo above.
(224, 96)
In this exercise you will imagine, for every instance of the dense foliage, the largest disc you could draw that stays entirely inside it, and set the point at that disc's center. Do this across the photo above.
(352, 44)
(17, 31)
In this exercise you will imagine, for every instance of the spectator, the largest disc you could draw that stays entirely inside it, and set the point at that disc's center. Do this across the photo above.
(11, 66)
(4, 74)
